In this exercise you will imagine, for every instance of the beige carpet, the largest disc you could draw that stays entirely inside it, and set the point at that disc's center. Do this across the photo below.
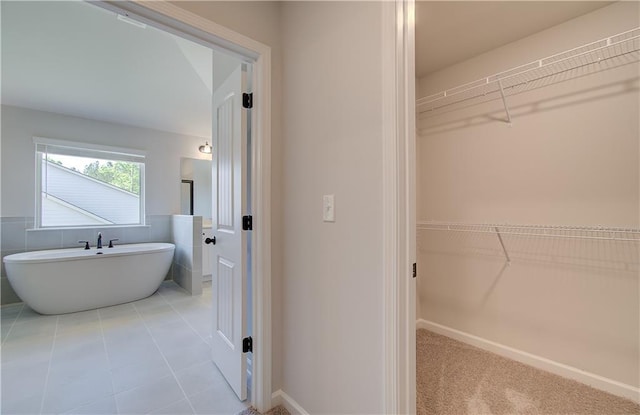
(278, 410)
(455, 379)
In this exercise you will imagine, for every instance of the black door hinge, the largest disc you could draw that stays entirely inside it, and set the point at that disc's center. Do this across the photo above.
(247, 345)
(247, 223)
(247, 100)
(415, 270)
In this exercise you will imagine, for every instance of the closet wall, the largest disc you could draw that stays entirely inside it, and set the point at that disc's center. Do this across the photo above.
(570, 158)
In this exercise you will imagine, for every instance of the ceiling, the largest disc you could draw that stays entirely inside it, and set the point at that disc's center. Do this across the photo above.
(81, 60)
(448, 32)
(78, 59)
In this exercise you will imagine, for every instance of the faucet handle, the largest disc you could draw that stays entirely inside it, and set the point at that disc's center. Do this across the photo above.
(111, 242)
(86, 246)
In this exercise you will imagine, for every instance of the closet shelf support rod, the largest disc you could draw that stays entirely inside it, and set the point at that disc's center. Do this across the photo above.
(504, 249)
(504, 101)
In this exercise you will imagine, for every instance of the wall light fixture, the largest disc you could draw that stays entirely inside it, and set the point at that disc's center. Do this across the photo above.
(206, 148)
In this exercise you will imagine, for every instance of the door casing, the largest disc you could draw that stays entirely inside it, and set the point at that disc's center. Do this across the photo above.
(173, 19)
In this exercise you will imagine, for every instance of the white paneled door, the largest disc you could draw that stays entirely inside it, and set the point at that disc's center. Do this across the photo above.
(230, 250)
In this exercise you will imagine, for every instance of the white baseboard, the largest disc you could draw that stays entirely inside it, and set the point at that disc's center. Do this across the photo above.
(280, 398)
(591, 379)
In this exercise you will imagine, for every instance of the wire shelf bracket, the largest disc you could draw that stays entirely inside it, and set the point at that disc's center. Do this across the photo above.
(504, 101)
(504, 249)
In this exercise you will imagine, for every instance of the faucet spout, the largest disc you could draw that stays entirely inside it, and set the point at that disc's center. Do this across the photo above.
(99, 241)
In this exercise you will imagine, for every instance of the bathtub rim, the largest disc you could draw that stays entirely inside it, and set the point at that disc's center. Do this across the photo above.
(83, 254)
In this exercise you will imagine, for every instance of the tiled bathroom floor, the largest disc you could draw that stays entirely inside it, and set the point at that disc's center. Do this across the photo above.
(149, 356)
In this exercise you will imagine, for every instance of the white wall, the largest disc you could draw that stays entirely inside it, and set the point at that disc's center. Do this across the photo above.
(571, 158)
(332, 296)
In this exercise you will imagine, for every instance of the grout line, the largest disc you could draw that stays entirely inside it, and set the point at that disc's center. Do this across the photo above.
(106, 352)
(13, 324)
(208, 344)
(173, 403)
(46, 380)
(102, 332)
(163, 357)
(187, 322)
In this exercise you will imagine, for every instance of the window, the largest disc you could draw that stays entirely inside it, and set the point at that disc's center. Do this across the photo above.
(80, 185)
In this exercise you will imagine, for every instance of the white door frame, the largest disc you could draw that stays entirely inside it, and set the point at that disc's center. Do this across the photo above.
(399, 206)
(175, 20)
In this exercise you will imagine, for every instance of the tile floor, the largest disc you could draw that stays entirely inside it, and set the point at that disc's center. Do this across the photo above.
(146, 357)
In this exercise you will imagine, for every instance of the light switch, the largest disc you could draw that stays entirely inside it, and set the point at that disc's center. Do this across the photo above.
(328, 208)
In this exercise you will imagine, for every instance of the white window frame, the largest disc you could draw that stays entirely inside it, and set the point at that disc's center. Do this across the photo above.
(90, 150)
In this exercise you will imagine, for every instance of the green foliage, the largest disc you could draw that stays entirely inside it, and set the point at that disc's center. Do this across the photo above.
(121, 174)
(58, 162)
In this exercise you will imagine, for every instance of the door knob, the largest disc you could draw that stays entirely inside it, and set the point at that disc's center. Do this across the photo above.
(210, 240)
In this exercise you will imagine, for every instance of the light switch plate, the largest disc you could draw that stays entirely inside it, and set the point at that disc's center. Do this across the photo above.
(328, 208)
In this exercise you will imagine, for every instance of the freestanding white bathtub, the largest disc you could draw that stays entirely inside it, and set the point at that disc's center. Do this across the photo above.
(68, 280)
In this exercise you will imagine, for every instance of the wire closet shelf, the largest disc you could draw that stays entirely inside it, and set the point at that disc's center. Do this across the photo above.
(607, 53)
(537, 231)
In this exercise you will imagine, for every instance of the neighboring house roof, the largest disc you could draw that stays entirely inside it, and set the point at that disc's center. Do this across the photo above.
(77, 197)
(60, 213)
